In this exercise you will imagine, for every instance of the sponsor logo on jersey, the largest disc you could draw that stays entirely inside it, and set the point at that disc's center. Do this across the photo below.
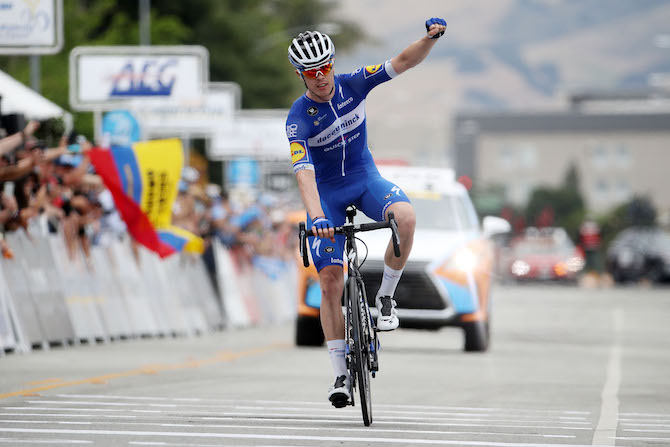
(355, 72)
(337, 261)
(347, 123)
(329, 249)
(388, 196)
(292, 130)
(371, 70)
(312, 111)
(345, 103)
(316, 246)
(298, 152)
(316, 123)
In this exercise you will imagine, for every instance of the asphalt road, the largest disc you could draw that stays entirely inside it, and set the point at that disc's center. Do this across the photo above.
(567, 366)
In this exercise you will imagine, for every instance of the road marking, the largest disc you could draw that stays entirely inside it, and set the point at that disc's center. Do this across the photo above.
(69, 415)
(654, 415)
(282, 437)
(642, 430)
(457, 417)
(356, 419)
(284, 403)
(45, 441)
(111, 404)
(347, 416)
(605, 432)
(150, 369)
(629, 424)
(298, 428)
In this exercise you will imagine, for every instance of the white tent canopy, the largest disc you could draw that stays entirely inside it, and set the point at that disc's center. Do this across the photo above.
(17, 98)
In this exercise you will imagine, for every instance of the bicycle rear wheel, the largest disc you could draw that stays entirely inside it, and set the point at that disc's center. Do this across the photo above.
(361, 350)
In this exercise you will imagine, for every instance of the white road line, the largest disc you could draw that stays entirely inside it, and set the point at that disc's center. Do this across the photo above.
(311, 403)
(69, 415)
(632, 420)
(60, 409)
(632, 438)
(354, 418)
(605, 431)
(643, 430)
(45, 441)
(179, 444)
(111, 396)
(512, 418)
(283, 437)
(661, 415)
(111, 404)
(14, 421)
(334, 414)
(296, 428)
(629, 424)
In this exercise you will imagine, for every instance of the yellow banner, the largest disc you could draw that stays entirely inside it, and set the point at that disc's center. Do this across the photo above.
(160, 163)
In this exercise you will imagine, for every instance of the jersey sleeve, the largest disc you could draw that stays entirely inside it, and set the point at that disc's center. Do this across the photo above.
(296, 131)
(366, 78)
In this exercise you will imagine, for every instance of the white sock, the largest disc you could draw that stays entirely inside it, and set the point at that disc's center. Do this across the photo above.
(336, 352)
(390, 280)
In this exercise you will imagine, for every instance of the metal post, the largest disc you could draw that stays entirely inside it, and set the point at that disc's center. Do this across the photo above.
(97, 127)
(35, 75)
(145, 22)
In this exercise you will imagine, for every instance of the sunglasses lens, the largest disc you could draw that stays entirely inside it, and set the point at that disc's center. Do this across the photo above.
(314, 72)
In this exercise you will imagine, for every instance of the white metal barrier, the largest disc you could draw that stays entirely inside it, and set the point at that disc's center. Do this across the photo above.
(48, 298)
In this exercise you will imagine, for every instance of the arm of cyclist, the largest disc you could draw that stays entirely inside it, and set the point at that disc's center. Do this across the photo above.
(417, 51)
(310, 197)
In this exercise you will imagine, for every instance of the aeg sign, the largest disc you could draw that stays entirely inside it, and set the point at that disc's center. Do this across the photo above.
(103, 78)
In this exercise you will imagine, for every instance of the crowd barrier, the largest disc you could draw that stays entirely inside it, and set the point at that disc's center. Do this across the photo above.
(119, 291)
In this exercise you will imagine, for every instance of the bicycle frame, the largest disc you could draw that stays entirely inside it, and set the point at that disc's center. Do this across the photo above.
(354, 275)
(360, 333)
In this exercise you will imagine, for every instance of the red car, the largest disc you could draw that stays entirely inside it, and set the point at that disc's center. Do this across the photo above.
(544, 254)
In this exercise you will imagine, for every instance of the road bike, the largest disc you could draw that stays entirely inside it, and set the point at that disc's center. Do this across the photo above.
(362, 344)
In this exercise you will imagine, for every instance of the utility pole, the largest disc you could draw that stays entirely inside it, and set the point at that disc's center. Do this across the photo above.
(145, 22)
(35, 72)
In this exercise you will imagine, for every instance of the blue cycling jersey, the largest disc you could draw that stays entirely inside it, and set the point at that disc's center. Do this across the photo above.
(330, 138)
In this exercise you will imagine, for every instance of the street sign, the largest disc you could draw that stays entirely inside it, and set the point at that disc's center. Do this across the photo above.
(254, 133)
(105, 78)
(31, 27)
(202, 118)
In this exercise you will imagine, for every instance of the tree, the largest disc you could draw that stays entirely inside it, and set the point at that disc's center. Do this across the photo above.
(562, 206)
(246, 39)
(638, 211)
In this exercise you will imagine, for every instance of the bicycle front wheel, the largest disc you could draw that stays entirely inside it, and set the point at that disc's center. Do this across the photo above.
(361, 351)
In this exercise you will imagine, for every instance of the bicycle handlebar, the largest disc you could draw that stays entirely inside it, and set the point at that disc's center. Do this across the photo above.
(344, 229)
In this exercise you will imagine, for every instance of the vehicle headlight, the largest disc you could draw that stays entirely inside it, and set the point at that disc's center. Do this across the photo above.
(574, 264)
(464, 260)
(520, 268)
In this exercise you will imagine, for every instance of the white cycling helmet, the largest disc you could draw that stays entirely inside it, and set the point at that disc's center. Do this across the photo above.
(310, 49)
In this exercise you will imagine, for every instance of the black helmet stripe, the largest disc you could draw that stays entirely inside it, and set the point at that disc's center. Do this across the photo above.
(322, 41)
(310, 49)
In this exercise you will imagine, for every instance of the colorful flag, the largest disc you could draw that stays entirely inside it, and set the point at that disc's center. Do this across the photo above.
(143, 180)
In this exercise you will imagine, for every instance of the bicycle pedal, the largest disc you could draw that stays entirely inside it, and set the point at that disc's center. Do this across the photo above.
(340, 403)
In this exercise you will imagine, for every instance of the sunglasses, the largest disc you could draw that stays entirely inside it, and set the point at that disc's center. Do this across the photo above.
(314, 72)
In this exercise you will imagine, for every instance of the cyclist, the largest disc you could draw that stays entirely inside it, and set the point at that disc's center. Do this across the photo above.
(334, 168)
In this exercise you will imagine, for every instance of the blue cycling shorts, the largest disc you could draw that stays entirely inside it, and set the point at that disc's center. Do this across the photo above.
(367, 191)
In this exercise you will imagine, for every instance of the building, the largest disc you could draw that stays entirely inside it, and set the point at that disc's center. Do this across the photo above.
(618, 152)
